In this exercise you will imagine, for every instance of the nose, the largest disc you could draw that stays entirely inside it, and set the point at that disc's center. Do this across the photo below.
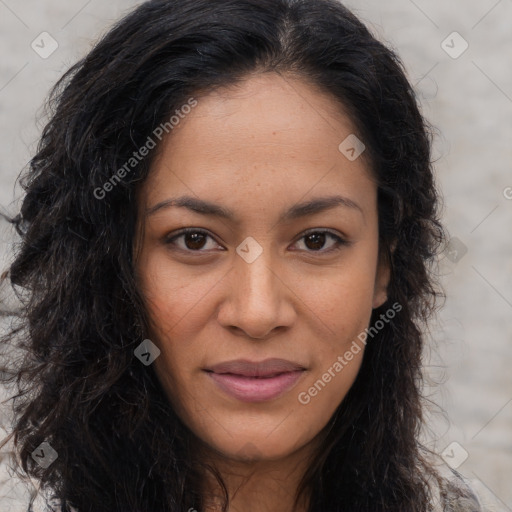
(258, 300)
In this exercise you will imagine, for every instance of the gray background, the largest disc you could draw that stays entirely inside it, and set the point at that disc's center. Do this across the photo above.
(468, 99)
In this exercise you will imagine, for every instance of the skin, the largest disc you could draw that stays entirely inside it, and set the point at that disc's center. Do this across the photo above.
(258, 149)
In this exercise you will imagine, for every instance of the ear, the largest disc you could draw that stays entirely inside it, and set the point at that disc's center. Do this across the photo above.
(382, 279)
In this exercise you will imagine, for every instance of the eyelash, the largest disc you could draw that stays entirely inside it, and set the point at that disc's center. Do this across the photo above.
(340, 242)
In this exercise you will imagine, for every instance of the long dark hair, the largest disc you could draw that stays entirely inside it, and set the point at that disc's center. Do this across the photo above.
(120, 445)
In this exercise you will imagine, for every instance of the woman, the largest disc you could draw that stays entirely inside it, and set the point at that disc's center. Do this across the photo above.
(226, 263)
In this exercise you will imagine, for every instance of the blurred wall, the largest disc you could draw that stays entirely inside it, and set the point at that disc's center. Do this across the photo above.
(458, 56)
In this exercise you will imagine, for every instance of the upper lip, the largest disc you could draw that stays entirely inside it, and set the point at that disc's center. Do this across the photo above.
(245, 368)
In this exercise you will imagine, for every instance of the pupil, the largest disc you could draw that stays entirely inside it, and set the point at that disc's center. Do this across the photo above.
(320, 239)
(194, 237)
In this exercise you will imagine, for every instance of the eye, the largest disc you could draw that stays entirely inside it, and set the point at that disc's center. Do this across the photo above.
(193, 239)
(314, 240)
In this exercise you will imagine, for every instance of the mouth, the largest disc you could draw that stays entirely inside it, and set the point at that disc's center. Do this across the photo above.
(255, 381)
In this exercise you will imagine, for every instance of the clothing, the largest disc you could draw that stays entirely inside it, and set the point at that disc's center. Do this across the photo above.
(459, 494)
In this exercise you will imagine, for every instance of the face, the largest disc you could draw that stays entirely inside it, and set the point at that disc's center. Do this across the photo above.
(277, 275)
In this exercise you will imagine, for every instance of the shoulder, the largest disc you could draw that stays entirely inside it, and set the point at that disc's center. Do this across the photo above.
(457, 493)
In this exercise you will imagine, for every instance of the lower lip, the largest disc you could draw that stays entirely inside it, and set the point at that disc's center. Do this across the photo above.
(253, 389)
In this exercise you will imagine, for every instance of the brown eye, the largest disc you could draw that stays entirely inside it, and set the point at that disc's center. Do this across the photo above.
(193, 240)
(315, 241)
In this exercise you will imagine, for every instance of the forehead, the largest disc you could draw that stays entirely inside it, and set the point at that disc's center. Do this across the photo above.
(269, 131)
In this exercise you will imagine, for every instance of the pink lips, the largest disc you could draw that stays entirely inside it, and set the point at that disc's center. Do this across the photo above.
(255, 382)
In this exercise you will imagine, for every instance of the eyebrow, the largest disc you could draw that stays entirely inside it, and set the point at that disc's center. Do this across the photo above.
(300, 210)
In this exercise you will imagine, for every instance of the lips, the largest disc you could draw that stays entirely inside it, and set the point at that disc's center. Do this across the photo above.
(255, 381)
(263, 369)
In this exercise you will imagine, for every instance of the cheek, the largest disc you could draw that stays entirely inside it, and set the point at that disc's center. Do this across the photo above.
(175, 304)
(321, 395)
(338, 305)
(342, 309)
(345, 307)
(174, 297)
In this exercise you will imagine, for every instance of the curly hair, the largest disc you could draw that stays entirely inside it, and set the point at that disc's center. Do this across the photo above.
(120, 444)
